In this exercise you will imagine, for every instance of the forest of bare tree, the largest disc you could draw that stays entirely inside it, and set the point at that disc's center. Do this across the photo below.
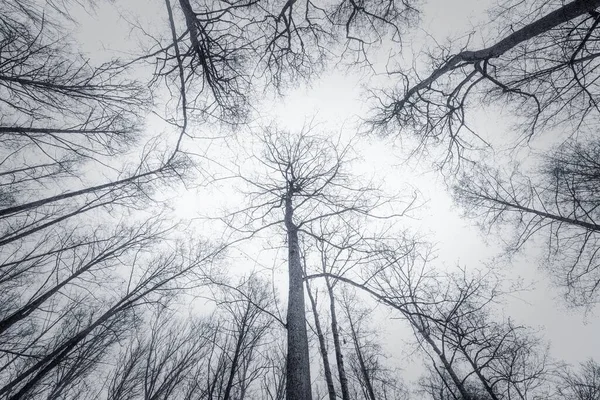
(167, 232)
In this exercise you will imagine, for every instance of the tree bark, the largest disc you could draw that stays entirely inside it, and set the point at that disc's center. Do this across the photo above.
(298, 385)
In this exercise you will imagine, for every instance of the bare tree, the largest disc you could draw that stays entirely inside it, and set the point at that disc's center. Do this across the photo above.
(338, 257)
(437, 384)
(248, 327)
(60, 115)
(162, 359)
(57, 102)
(71, 287)
(345, 250)
(46, 271)
(558, 204)
(304, 176)
(48, 282)
(63, 116)
(274, 374)
(472, 355)
(451, 318)
(150, 281)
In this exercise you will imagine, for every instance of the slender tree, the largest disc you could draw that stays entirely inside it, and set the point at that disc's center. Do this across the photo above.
(372, 378)
(149, 282)
(473, 356)
(322, 342)
(451, 318)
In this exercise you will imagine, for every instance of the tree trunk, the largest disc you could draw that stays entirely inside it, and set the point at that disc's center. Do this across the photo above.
(484, 381)
(236, 355)
(322, 347)
(298, 385)
(447, 366)
(361, 361)
(339, 356)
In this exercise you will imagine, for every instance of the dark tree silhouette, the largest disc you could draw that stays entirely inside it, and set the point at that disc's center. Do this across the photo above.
(150, 281)
(322, 341)
(225, 51)
(372, 378)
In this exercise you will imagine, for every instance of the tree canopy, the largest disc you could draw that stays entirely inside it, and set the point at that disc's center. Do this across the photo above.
(109, 289)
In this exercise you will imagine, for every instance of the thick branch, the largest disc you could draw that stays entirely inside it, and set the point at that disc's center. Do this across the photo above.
(550, 21)
(559, 218)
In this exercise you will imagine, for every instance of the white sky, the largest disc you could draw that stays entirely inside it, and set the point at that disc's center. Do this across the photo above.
(336, 100)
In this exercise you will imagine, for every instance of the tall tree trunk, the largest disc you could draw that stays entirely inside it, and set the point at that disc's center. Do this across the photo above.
(298, 364)
(339, 356)
(236, 355)
(361, 361)
(447, 365)
(322, 347)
